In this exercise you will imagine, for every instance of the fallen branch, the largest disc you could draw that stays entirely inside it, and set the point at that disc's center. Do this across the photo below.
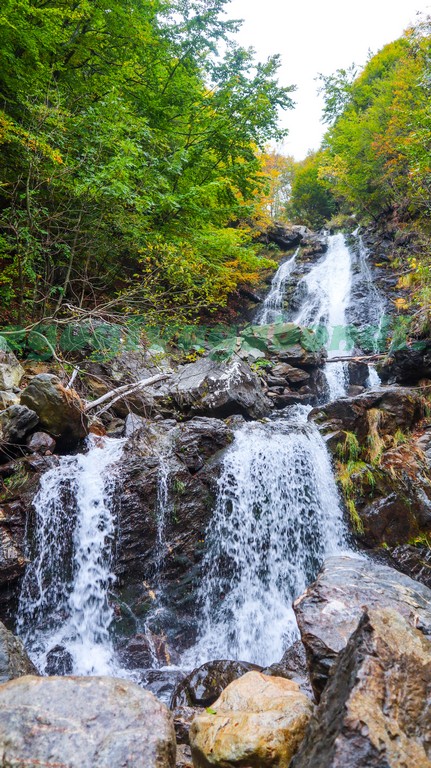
(356, 359)
(125, 390)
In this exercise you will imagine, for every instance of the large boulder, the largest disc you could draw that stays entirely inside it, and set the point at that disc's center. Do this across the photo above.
(258, 722)
(14, 661)
(409, 365)
(11, 372)
(211, 388)
(395, 408)
(330, 609)
(169, 472)
(60, 410)
(94, 722)
(375, 710)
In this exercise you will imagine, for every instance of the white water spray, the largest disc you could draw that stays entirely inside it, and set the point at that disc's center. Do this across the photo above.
(278, 516)
(64, 599)
(327, 294)
(272, 309)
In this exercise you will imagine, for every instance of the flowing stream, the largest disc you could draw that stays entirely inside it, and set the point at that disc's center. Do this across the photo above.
(278, 516)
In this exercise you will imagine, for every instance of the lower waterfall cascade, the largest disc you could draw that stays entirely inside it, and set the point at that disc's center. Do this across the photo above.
(278, 515)
(64, 597)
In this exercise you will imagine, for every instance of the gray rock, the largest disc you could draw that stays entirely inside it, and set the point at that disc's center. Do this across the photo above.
(60, 410)
(330, 609)
(7, 399)
(16, 422)
(41, 442)
(375, 710)
(14, 661)
(11, 372)
(209, 388)
(94, 722)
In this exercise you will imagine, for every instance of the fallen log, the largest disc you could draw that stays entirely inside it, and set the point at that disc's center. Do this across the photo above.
(124, 391)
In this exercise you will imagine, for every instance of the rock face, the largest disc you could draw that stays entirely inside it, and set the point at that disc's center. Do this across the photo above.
(14, 661)
(60, 410)
(375, 711)
(408, 365)
(11, 372)
(204, 685)
(330, 609)
(397, 407)
(415, 560)
(169, 471)
(83, 723)
(258, 722)
(210, 388)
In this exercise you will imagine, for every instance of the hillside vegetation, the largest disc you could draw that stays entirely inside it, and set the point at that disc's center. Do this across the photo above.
(131, 156)
(375, 160)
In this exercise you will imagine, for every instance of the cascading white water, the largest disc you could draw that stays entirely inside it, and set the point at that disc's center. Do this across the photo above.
(327, 292)
(376, 307)
(64, 597)
(272, 309)
(278, 516)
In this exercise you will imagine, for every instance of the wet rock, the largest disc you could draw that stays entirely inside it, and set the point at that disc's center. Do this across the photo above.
(94, 722)
(183, 718)
(14, 661)
(15, 423)
(415, 560)
(199, 439)
(11, 372)
(41, 442)
(184, 756)
(60, 410)
(293, 666)
(188, 456)
(293, 375)
(358, 374)
(397, 408)
(210, 388)
(257, 721)
(330, 609)
(205, 684)
(58, 661)
(409, 365)
(374, 712)
(143, 651)
(284, 237)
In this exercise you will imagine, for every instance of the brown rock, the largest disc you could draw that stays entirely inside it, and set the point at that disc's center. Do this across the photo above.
(330, 609)
(258, 722)
(60, 410)
(375, 711)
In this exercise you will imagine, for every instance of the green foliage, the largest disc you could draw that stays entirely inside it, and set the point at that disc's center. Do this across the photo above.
(311, 200)
(130, 155)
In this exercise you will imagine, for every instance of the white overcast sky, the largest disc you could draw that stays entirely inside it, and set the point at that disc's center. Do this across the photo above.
(315, 36)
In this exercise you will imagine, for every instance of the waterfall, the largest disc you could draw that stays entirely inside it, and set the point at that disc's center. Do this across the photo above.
(278, 516)
(376, 307)
(64, 598)
(326, 290)
(272, 309)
